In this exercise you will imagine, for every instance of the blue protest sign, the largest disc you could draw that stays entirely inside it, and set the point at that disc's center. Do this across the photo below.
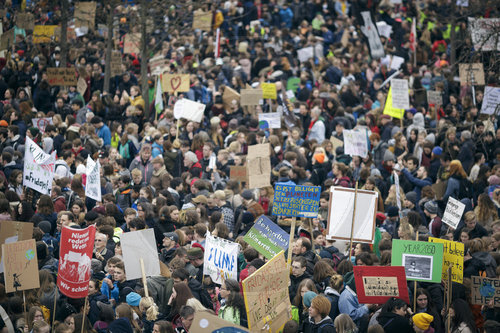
(296, 200)
(267, 237)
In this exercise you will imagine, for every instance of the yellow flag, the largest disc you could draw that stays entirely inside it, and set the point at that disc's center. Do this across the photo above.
(389, 110)
(23, 5)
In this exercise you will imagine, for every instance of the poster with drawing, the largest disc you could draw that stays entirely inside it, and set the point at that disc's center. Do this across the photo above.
(20, 266)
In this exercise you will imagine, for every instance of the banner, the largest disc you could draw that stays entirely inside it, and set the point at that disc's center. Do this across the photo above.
(138, 245)
(268, 90)
(39, 168)
(370, 31)
(453, 212)
(453, 256)
(266, 296)
(485, 290)
(174, 83)
(205, 322)
(422, 261)
(221, 259)
(400, 96)
(389, 109)
(202, 20)
(471, 74)
(355, 143)
(20, 266)
(267, 237)
(269, 120)
(44, 33)
(93, 186)
(376, 284)
(75, 256)
(296, 200)
(259, 166)
(61, 76)
(250, 97)
(41, 123)
(190, 110)
(491, 100)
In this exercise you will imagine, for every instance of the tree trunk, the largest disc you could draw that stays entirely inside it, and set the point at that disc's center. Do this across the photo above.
(144, 58)
(64, 32)
(109, 48)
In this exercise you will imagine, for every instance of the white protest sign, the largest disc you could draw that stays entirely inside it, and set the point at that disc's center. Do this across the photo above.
(305, 54)
(462, 3)
(38, 168)
(221, 259)
(398, 194)
(396, 62)
(434, 97)
(370, 31)
(137, 245)
(491, 100)
(41, 123)
(453, 212)
(484, 33)
(190, 110)
(355, 143)
(384, 29)
(93, 186)
(400, 96)
(269, 120)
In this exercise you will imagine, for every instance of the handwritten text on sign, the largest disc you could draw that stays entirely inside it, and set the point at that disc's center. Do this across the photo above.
(485, 290)
(381, 286)
(267, 237)
(453, 256)
(296, 200)
(220, 259)
(61, 76)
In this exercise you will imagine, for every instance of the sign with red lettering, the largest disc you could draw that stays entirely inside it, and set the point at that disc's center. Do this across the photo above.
(74, 261)
(375, 285)
(238, 172)
(62, 76)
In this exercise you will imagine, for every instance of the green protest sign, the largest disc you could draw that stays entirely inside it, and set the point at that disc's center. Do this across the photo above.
(422, 261)
(293, 84)
(267, 237)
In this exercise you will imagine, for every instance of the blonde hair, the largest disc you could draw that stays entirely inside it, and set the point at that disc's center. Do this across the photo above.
(344, 324)
(147, 304)
(195, 304)
(136, 172)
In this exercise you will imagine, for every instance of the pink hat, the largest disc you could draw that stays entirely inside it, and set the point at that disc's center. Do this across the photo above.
(494, 180)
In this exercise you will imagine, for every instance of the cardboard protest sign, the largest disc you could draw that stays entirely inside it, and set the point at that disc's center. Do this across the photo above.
(453, 256)
(484, 33)
(267, 237)
(336, 142)
(355, 143)
(439, 189)
(370, 31)
(173, 83)
(434, 97)
(453, 212)
(269, 120)
(340, 212)
(132, 43)
(296, 200)
(44, 33)
(11, 231)
(485, 290)
(93, 186)
(390, 110)
(491, 100)
(202, 20)
(39, 168)
(138, 245)
(268, 90)
(305, 53)
(25, 21)
(190, 110)
(266, 295)
(75, 256)
(238, 172)
(158, 63)
(422, 261)
(59, 76)
(102, 30)
(250, 97)
(7, 39)
(400, 96)
(8, 240)
(41, 123)
(205, 322)
(85, 14)
(471, 74)
(81, 86)
(258, 166)
(375, 285)
(20, 266)
(230, 97)
(116, 63)
(221, 259)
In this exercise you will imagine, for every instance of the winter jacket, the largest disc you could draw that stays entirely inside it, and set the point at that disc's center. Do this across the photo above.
(324, 326)
(146, 168)
(124, 198)
(348, 304)
(417, 182)
(394, 323)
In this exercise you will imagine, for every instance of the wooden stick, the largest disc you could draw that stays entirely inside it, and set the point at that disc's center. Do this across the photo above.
(24, 305)
(144, 282)
(292, 234)
(353, 217)
(54, 314)
(415, 287)
(84, 314)
(448, 301)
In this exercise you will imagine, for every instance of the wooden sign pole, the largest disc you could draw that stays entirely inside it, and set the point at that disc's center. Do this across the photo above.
(54, 313)
(353, 217)
(448, 300)
(144, 282)
(84, 314)
(415, 288)
(292, 234)
(25, 312)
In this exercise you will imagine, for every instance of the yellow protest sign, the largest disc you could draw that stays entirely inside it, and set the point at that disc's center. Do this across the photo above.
(43, 33)
(269, 90)
(389, 110)
(453, 256)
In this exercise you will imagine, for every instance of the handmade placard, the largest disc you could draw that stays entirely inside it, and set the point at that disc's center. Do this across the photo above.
(376, 284)
(422, 261)
(453, 256)
(20, 266)
(267, 237)
(296, 200)
(484, 290)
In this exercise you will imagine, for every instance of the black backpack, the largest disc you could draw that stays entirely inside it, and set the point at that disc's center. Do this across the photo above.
(465, 190)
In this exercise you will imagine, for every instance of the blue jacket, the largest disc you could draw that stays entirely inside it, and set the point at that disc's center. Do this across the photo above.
(105, 134)
(348, 304)
(156, 150)
(114, 292)
(419, 183)
(286, 16)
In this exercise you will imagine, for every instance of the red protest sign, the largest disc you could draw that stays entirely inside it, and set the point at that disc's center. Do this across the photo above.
(75, 256)
(376, 284)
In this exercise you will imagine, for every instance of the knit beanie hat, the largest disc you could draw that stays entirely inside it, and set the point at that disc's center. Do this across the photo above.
(308, 297)
(423, 320)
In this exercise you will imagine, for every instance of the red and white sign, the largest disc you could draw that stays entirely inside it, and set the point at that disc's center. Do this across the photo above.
(75, 256)
(376, 284)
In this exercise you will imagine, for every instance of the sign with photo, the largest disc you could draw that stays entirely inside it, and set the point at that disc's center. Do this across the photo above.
(422, 261)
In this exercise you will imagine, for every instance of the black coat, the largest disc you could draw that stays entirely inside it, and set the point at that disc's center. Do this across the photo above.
(394, 323)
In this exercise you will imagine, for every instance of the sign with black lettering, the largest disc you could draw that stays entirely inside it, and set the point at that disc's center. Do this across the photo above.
(485, 290)
(422, 261)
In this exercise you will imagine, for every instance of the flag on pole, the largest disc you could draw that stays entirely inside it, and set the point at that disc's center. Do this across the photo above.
(413, 35)
(159, 96)
(217, 44)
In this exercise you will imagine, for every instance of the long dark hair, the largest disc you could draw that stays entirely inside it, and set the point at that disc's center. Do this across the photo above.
(463, 314)
(393, 304)
(183, 294)
(234, 299)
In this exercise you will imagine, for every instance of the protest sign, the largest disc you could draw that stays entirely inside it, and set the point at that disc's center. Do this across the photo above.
(336, 143)
(268, 90)
(8, 240)
(396, 62)
(384, 29)
(250, 97)
(221, 259)
(132, 43)
(238, 172)
(38, 168)
(400, 96)
(375, 285)
(439, 189)
(190, 110)
(422, 261)
(390, 110)
(305, 53)
(116, 63)
(7, 39)
(43, 33)
(259, 166)
(453, 212)
(205, 322)
(453, 256)
(81, 86)
(398, 190)
(484, 33)
(41, 123)
(484, 290)
(340, 212)
(202, 20)
(158, 63)
(137, 245)
(85, 14)
(173, 83)
(293, 84)
(11, 231)
(267, 237)
(25, 21)
(266, 295)
(75, 256)
(296, 200)
(60, 76)
(471, 74)
(102, 30)
(93, 186)
(269, 120)
(355, 143)
(434, 97)
(230, 98)
(491, 100)
(370, 31)
(20, 266)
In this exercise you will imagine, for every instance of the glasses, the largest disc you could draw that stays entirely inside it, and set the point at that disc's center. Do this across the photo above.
(140, 210)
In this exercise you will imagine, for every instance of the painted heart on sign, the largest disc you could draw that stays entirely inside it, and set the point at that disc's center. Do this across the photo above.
(175, 83)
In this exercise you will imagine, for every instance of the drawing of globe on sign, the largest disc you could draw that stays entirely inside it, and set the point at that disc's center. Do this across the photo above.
(263, 124)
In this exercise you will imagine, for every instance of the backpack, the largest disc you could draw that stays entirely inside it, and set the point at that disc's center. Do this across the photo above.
(70, 197)
(465, 190)
(337, 258)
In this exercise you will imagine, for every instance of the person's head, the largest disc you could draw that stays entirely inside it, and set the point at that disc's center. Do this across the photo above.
(299, 266)
(180, 294)
(301, 245)
(163, 326)
(187, 315)
(41, 327)
(423, 299)
(100, 241)
(460, 312)
(395, 305)
(344, 324)
(303, 287)
(35, 314)
(470, 220)
(320, 307)
(119, 272)
(421, 322)
(422, 172)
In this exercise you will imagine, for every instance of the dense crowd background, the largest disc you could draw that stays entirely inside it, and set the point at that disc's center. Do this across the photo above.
(156, 170)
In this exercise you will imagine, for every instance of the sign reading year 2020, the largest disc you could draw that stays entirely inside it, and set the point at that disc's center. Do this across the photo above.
(296, 200)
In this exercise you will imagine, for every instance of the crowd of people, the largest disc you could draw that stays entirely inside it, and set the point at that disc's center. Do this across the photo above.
(173, 175)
